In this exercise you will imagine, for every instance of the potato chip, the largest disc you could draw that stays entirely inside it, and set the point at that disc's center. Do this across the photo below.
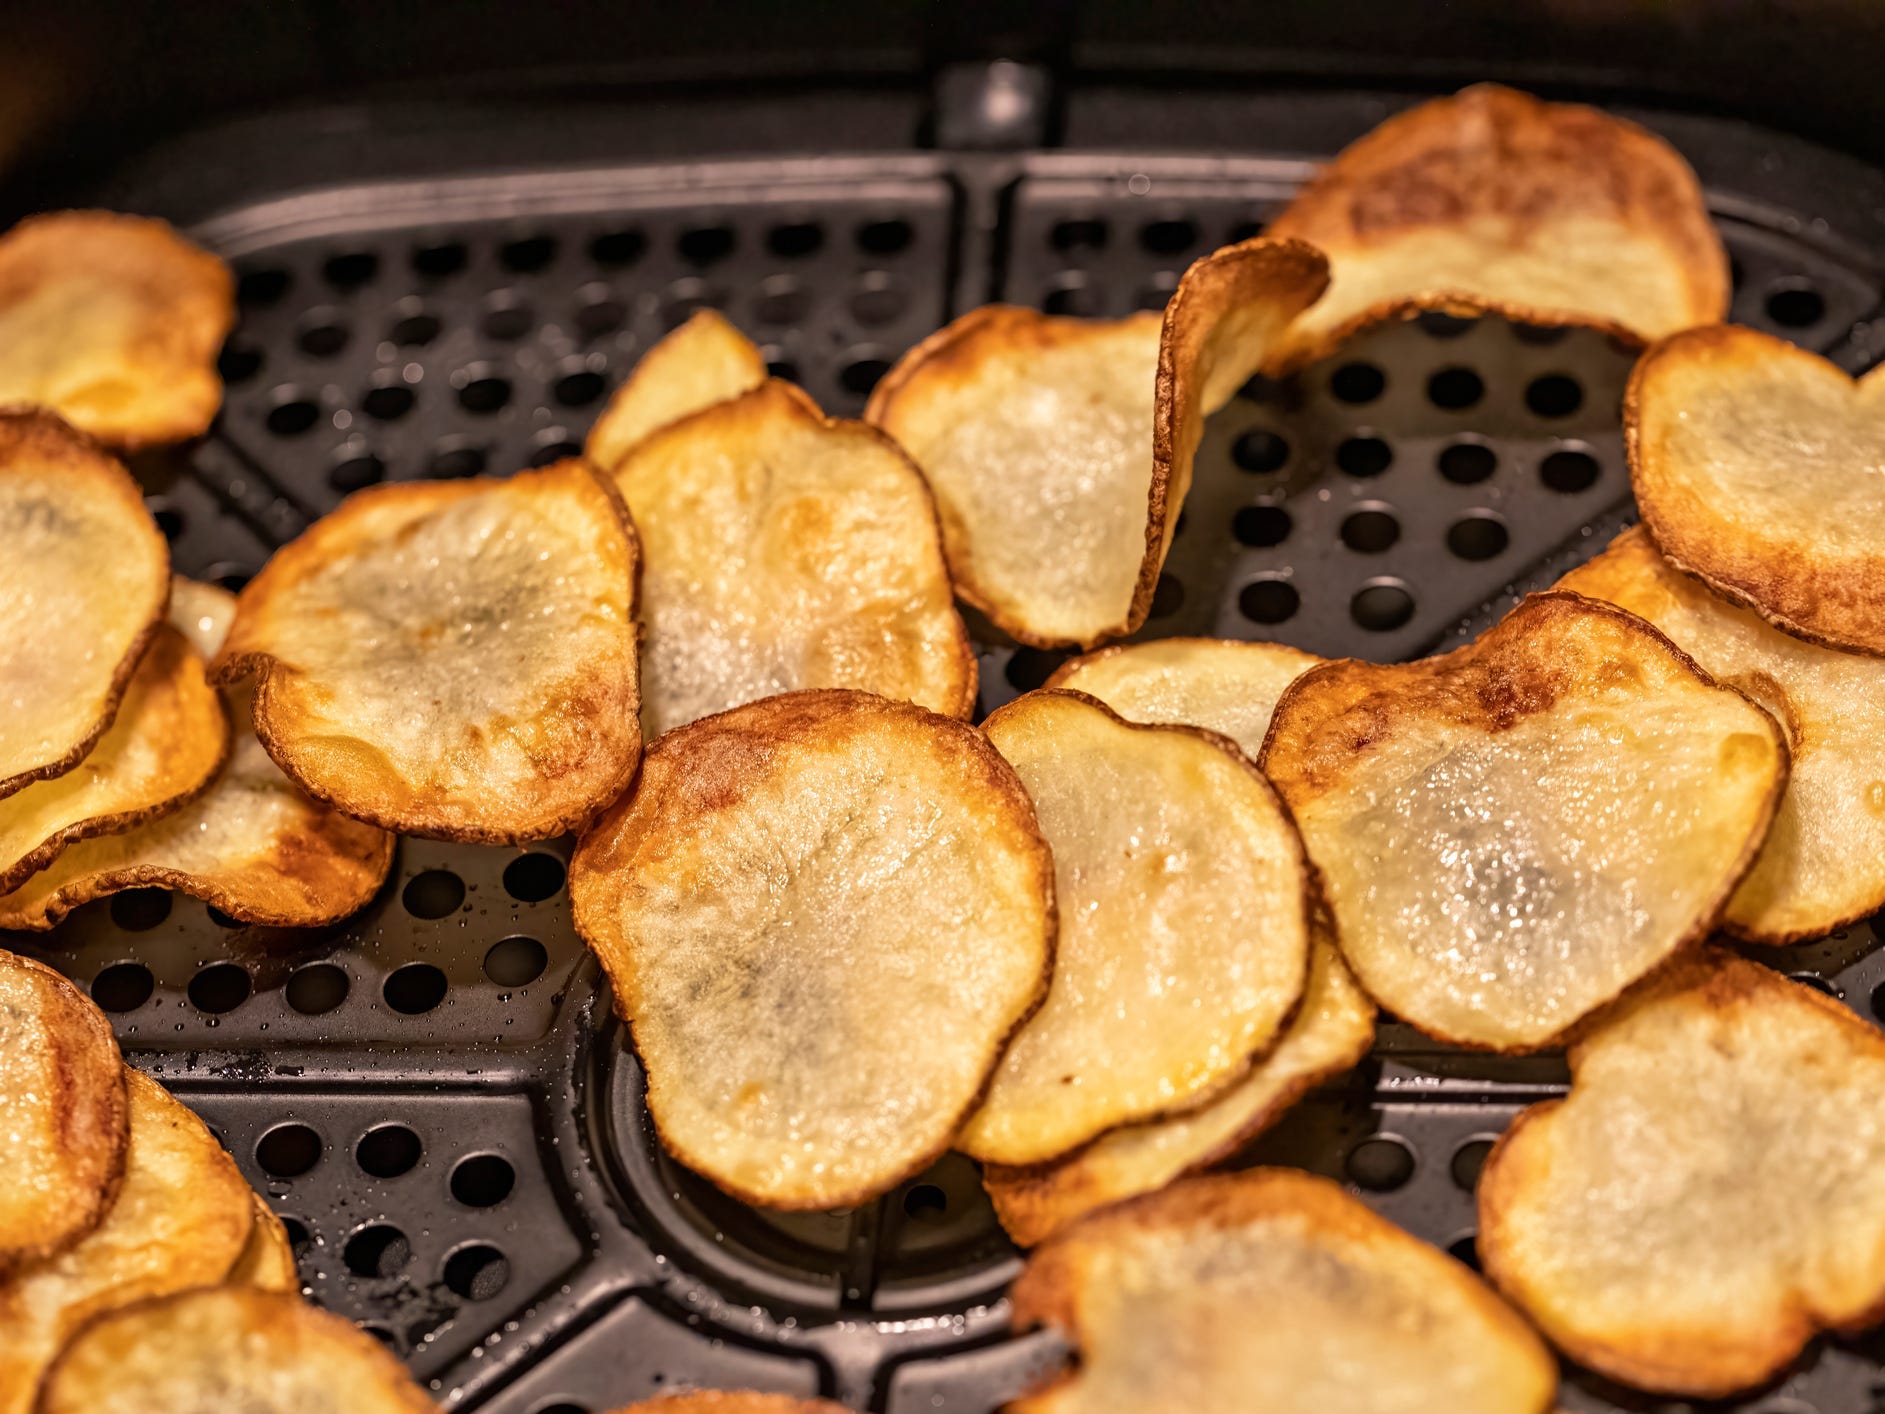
(62, 1092)
(219, 1350)
(251, 845)
(823, 914)
(1755, 465)
(1060, 449)
(1184, 926)
(782, 549)
(708, 1401)
(1492, 202)
(453, 659)
(703, 362)
(268, 1261)
(1215, 683)
(1823, 865)
(1271, 1290)
(1710, 1194)
(1513, 833)
(113, 322)
(83, 585)
(181, 1219)
(164, 747)
(1330, 1032)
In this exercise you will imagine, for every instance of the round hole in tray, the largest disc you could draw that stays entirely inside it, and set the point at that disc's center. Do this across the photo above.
(507, 318)
(886, 237)
(414, 331)
(782, 300)
(298, 1235)
(1540, 335)
(483, 1180)
(1078, 233)
(1364, 456)
(1158, 293)
(1568, 471)
(795, 239)
(1371, 530)
(239, 361)
(1268, 601)
(1168, 596)
(782, 368)
(388, 402)
(703, 245)
(1795, 304)
(221, 919)
(1358, 383)
(1468, 1160)
(322, 334)
(860, 375)
(555, 449)
(1073, 296)
(527, 254)
(140, 910)
(1554, 395)
(1260, 450)
(456, 457)
(414, 989)
(1241, 231)
(687, 296)
(377, 1250)
(1816, 982)
(1380, 1164)
(1455, 389)
(925, 1202)
(600, 313)
(220, 987)
(1438, 324)
(387, 1151)
(317, 989)
(579, 387)
(533, 877)
(433, 893)
(1028, 668)
(878, 299)
(1467, 463)
(623, 247)
(477, 1272)
(516, 961)
(483, 391)
(1168, 237)
(123, 986)
(288, 1150)
(560, 1406)
(1261, 526)
(257, 289)
(293, 413)
(1465, 1249)
(231, 575)
(1478, 535)
(385, 1335)
(350, 269)
(355, 471)
(1382, 605)
(445, 258)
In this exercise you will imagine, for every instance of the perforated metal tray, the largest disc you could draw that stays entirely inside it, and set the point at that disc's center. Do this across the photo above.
(434, 1094)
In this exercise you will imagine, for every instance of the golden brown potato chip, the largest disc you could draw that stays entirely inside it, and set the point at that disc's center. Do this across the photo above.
(1060, 450)
(1330, 1032)
(782, 549)
(703, 362)
(1823, 864)
(164, 747)
(1712, 1191)
(1215, 683)
(83, 583)
(1494, 202)
(227, 1350)
(1271, 1291)
(1184, 933)
(62, 1094)
(268, 1261)
(1756, 467)
(114, 323)
(709, 1401)
(1513, 833)
(823, 914)
(181, 1219)
(452, 659)
(251, 844)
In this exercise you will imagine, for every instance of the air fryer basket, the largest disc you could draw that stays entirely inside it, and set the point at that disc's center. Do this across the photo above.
(435, 1095)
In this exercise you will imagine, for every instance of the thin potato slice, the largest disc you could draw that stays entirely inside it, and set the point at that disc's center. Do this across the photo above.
(218, 1350)
(703, 362)
(1494, 202)
(1823, 864)
(1219, 684)
(1184, 935)
(1513, 833)
(62, 1094)
(268, 1261)
(782, 549)
(1756, 467)
(1271, 1291)
(181, 1219)
(83, 582)
(1060, 450)
(1712, 1191)
(709, 1401)
(114, 323)
(165, 746)
(1330, 1032)
(823, 914)
(452, 659)
(252, 844)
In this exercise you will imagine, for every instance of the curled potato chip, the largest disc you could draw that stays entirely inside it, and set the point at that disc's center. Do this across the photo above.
(1823, 863)
(1330, 1032)
(62, 1093)
(114, 323)
(1060, 450)
(1710, 1194)
(1513, 833)
(181, 1219)
(1271, 1290)
(83, 583)
(251, 844)
(165, 745)
(703, 362)
(1492, 201)
(1184, 932)
(782, 549)
(1755, 465)
(217, 1350)
(710, 1401)
(1217, 683)
(268, 1260)
(452, 659)
(796, 898)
